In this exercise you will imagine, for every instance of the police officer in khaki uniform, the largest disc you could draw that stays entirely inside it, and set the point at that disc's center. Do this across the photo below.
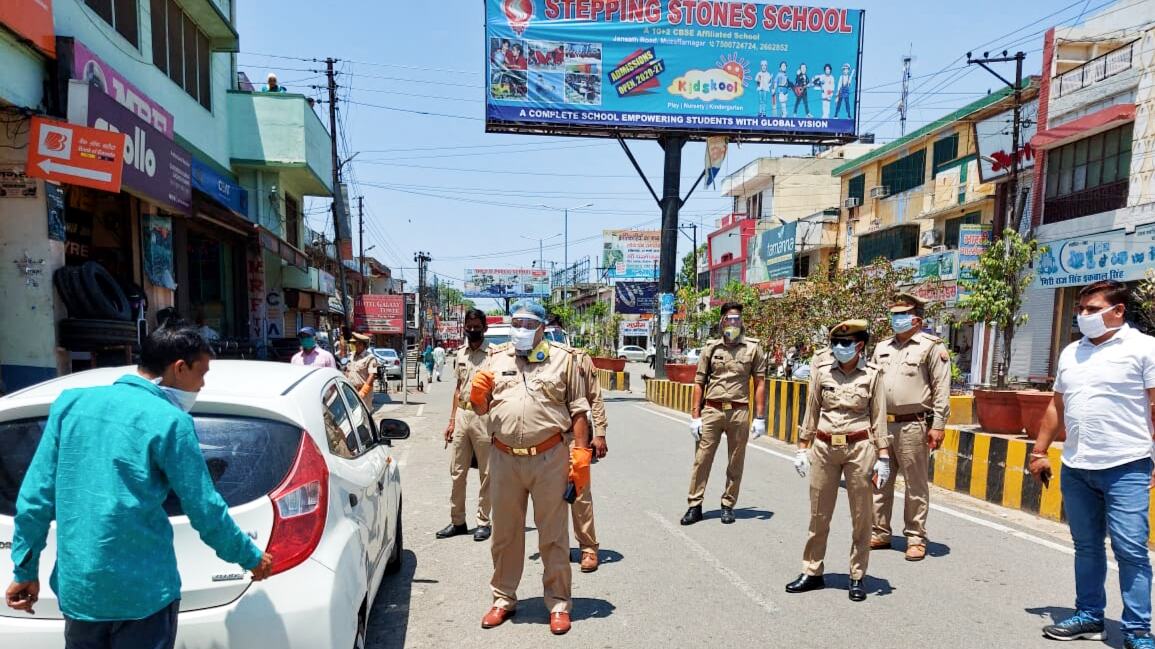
(533, 391)
(721, 405)
(468, 433)
(916, 370)
(842, 436)
(583, 508)
(362, 369)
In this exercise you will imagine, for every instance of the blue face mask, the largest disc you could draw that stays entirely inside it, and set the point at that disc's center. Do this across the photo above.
(901, 322)
(844, 353)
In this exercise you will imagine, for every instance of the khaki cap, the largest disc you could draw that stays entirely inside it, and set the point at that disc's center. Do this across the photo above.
(360, 338)
(849, 327)
(905, 302)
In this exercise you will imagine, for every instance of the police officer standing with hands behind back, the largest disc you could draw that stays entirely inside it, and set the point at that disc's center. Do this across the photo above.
(721, 404)
(533, 391)
(916, 373)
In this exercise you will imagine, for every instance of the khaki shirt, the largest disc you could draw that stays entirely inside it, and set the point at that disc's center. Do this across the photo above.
(724, 371)
(594, 395)
(534, 401)
(361, 369)
(916, 376)
(838, 403)
(466, 363)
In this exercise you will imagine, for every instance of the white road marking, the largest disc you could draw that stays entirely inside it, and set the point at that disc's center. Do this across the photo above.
(734, 578)
(421, 410)
(998, 527)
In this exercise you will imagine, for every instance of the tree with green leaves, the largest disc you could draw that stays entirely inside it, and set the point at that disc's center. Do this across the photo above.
(996, 292)
(689, 273)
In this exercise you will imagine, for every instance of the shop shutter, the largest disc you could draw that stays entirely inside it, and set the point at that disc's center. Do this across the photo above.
(1031, 354)
(291, 323)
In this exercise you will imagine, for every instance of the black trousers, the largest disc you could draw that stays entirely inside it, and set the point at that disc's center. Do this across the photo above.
(157, 631)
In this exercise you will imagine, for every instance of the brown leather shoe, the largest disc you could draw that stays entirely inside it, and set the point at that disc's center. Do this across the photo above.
(559, 623)
(915, 552)
(877, 543)
(495, 617)
(589, 561)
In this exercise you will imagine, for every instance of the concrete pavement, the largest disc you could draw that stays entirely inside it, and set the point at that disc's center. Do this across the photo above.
(993, 577)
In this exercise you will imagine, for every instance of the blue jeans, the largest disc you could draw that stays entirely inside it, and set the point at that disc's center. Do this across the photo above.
(157, 631)
(1111, 501)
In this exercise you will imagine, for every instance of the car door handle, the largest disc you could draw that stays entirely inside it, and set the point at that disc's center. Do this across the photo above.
(352, 500)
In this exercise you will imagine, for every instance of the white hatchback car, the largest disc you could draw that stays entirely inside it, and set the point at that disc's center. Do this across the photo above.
(635, 354)
(306, 473)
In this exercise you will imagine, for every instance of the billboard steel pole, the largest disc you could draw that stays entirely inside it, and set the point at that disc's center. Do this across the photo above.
(671, 205)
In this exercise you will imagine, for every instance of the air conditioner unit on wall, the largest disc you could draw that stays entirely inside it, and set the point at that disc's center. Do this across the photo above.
(852, 202)
(880, 191)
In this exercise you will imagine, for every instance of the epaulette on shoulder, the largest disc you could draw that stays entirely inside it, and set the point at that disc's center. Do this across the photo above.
(497, 349)
(930, 337)
(563, 347)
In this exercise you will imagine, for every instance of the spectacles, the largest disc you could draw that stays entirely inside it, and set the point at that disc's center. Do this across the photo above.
(843, 341)
(525, 323)
(732, 318)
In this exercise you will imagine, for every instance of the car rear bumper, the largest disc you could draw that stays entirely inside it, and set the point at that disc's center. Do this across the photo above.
(299, 609)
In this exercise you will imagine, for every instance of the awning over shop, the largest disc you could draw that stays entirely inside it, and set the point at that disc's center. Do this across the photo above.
(282, 249)
(1083, 127)
(220, 189)
(302, 300)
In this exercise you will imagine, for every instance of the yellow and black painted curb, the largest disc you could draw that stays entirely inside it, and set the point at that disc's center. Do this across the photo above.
(614, 380)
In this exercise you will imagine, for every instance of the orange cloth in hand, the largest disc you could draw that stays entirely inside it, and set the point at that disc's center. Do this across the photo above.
(480, 390)
(579, 467)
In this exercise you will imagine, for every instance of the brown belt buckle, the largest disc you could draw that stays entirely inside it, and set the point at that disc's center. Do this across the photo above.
(838, 441)
(524, 452)
(726, 405)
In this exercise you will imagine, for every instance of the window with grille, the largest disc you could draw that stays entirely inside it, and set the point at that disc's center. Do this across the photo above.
(952, 227)
(181, 50)
(121, 15)
(945, 150)
(893, 243)
(1089, 176)
(905, 173)
(856, 188)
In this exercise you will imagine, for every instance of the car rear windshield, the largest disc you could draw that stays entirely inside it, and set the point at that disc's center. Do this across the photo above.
(247, 457)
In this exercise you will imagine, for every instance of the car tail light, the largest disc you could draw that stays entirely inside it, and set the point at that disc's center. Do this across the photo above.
(300, 506)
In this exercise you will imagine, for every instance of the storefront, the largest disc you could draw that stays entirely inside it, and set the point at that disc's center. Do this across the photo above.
(635, 332)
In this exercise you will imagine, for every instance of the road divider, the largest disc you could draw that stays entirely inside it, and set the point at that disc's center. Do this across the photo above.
(614, 380)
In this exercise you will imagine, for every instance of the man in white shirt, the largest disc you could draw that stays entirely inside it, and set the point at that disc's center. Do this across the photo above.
(1104, 388)
(438, 362)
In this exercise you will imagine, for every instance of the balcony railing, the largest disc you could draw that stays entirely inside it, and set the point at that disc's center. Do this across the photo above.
(1096, 70)
(1103, 198)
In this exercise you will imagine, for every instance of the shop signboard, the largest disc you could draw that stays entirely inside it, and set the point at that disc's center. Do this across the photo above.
(1083, 260)
(220, 189)
(54, 200)
(450, 330)
(76, 155)
(15, 183)
(937, 291)
(506, 282)
(993, 141)
(771, 256)
(635, 298)
(32, 20)
(635, 328)
(935, 266)
(379, 314)
(154, 167)
(631, 254)
(973, 241)
(90, 69)
(762, 72)
(326, 283)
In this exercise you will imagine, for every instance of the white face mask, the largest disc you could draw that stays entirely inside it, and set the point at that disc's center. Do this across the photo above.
(180, 398)
(523, 339)
(1092, 325)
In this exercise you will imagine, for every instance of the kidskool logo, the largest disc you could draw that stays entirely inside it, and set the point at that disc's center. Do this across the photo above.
(707, 85)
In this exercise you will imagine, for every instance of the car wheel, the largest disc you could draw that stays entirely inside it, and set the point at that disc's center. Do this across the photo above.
(393, 566)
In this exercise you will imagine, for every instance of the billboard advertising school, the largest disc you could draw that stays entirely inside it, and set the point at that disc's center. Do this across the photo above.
(762, 72)
(506, 282)
(631, 254)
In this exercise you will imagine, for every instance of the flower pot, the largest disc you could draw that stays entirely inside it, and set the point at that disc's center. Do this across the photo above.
(1032, 406)
(998, 411)
(680, 373)
(611, 364)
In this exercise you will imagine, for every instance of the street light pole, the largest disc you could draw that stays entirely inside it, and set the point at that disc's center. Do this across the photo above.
(565, 254)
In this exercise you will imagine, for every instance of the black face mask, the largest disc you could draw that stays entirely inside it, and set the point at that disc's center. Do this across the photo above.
(475, 336)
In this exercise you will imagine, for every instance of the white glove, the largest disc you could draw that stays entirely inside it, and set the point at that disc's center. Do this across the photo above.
(802, 461)
(758, 428)
(881, 472)
(696, 429)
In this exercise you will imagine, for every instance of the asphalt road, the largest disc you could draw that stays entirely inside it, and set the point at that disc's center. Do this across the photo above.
(992, 580)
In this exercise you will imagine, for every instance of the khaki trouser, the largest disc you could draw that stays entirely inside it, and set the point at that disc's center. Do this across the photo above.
(827, 465)
(470, 439)
(512, 482)
(582, 511)
(908, 444)
(735, 424)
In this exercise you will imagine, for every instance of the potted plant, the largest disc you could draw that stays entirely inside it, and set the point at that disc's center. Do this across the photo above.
(605, 334)
(996, 298)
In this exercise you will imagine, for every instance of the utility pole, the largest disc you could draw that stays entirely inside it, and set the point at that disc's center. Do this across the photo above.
(361, 241)
(902, 103)
(332, 86)
(422, 259)
(1010, 215)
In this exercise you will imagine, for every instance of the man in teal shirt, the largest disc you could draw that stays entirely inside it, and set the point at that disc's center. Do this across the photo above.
(106, 462)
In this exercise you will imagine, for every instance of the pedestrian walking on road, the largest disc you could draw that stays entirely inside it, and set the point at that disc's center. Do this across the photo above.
(582, 509)
(427, 359)
(362, 369)
(107, 461)
(720, 405)
(916, 374)
(1104, 390)
(533, 392)
(310, 353)
(438, 362)
(468, 433)
(842, 437)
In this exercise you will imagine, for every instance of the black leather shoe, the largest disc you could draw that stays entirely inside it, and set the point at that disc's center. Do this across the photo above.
(806, 583)
(693, 515)
(727, 515)
(857, 590)
(452, 530)
(482, 533)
